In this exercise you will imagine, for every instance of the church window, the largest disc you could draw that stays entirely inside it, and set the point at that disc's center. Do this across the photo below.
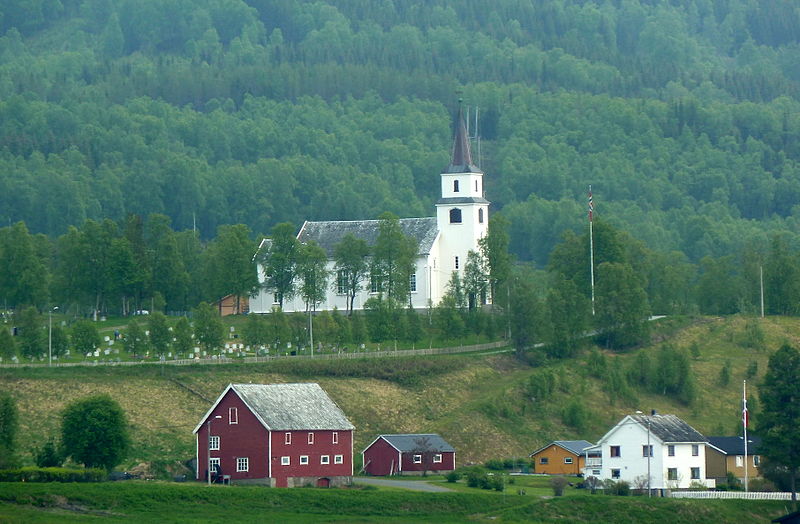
(480, 216)
(375, 281)
(476, 186)
(455, 216)
(455, 186)
(412, 283)
(341, 282)
(456, 262)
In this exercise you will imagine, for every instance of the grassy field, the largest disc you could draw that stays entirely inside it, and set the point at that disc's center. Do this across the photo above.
(165, 502)
(479, 403)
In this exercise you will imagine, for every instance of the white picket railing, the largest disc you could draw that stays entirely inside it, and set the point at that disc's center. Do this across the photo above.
(750, 495)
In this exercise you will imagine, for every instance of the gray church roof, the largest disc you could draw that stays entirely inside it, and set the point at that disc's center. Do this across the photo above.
(669, 428)
(328, 234)
(283, 407)
(462, 200)
(461, 157)
(415, 442)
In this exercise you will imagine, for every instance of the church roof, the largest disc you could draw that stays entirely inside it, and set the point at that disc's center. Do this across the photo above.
(328, 234)
(461, 158)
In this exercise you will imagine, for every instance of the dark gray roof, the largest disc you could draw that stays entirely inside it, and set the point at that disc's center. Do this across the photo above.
(328, 234)
(461, 157)
(575, 447)
(292, 406)
(735, 445)
(413, 442)
(669, 428)
(462, 200)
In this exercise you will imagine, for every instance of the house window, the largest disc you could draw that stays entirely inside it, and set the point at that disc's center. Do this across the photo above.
(615, 451)
(595, 472)
(695, 473)
(739, 461)
(325, 459)
(647, 451)
(456, 262)
(417, 459)
(671, 450)
(567, 460)
(286, 461)
(412, 283)
(310, 437)
(672, 473)
(455, 186)
(437, 458)
(335, 437)
(455, 216)
(233, 415)
(213, 443)
(544, 460)
(341, 282)
(287, 438)
(242, 464)
(695, 450)
(338, 459)
(480, 216)
(756, 460)
(614, 473)
(303, 460)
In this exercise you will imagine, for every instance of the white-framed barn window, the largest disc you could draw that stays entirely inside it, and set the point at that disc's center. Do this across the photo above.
(437, 458)
(325, 459)
(335, 437)
(286, 461)
(213, 443)
(417, 459)
(310, 437)
(338, 459)
(233, 415)
(242, 464)
(303, 460)
(287, 438)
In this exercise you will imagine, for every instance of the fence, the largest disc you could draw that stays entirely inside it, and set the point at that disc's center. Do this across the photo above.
(750, 495)
(248, 360)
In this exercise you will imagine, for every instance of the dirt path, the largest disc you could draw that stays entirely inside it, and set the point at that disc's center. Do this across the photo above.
(415, 485)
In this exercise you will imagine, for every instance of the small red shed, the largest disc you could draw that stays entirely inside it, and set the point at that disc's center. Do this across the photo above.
(408, 454)
(283, 435)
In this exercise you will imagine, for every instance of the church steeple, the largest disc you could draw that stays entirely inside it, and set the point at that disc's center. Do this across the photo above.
(461, 158)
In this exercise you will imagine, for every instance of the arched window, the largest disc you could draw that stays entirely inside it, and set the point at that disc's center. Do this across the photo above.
(480, 216)
(455, 216)
(476, 186)
(455, 186)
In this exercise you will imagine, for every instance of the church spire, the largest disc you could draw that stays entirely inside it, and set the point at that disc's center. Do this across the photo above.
(461, 159)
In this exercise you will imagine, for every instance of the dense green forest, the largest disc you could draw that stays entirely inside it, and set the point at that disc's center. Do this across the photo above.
(681, 114)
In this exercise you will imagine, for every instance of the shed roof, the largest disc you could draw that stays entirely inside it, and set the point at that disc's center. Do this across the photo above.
(735, 445)
(286, 407)
(408, 442)
(669, 428)
(329, 233)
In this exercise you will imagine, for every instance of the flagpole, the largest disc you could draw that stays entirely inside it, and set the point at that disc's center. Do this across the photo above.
(591, 246)
(744, 423)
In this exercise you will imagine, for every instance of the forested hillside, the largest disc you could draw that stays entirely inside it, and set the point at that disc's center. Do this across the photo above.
(681, 114)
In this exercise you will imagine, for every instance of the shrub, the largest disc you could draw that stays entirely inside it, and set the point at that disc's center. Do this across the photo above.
(453, 477)
(48, 456)
(35, 474)
(558, 484)
(496, 482)
(620, 488)
(494, 465)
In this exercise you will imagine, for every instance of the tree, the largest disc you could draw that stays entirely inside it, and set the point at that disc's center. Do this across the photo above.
(279, 261)
(779, 420)
(160, 336)
(351, 266)
(48, 456)
(229, 264)
(256, 331)
(85, 337)
(135, 340)
(59, 340)
(183, 342)
(524, 312)
(9, 426)
(494, 248)
(476, 278)
(8, 348)
(393, 259)
(208, 327)
(621, 305)
(567, 313)
(24, 278)
(312, 274)
(32, 338)
(94, 432)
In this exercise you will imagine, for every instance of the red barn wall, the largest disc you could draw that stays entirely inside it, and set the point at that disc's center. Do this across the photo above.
(323, 445)
(447, 464)
(380, 458)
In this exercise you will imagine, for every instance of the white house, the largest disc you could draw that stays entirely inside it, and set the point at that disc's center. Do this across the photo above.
(671, 450)
(462, 219)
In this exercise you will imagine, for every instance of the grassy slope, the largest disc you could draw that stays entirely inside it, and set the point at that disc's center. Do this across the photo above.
(477, 403)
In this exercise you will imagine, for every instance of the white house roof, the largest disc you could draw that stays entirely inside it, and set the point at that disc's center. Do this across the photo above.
(286, 407)
(328, 234)
(669, 428)
(408, 442)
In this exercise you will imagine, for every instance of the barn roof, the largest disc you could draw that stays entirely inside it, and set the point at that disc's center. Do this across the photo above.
(408, 442)
(329, 233)
(669, 428)
(576, 447)
(735, 445)
(286, 407)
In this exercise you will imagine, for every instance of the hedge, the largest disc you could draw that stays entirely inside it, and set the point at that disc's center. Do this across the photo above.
(34, 474)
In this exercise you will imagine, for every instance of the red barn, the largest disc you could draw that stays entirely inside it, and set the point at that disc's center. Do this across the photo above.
(284, 435)
(408, 454)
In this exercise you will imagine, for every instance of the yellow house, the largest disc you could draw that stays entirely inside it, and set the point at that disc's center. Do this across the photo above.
(560, 457)
(726, 454)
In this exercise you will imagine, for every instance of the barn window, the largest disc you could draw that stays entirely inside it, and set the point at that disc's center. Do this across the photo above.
(310, 437)
(286, 461)
(417, 459)
(338, 459)
(455, 216)
(437, 458)
(480, 216)
(233, 415)
(335, 437)
(242, 464)
(214, 463)
(325, 459)
(303, 460)
(455, 186)
(567, 460)
(213, 443)
(287, 438)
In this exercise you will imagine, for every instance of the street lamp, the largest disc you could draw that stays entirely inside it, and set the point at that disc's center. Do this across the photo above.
(208, 428)
(649, 453)
(50, 336)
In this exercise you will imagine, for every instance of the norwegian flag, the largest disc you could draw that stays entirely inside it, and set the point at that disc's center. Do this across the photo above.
(591, 204)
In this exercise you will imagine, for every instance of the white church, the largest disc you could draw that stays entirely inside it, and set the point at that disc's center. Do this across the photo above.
(462, 219)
